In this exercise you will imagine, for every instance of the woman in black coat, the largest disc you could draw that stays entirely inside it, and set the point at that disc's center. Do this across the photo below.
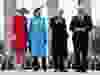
(59, 39)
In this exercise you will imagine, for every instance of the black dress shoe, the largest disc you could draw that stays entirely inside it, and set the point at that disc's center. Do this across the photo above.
(44, 67)
(11, 67)
(36, 67)
(3, 67)
(63, 70)
(98, 67)
(82, 70)
(28, 65)
(55, 70)
(77, 70)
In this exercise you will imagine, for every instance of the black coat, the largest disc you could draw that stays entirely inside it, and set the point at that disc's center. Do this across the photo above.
(79, 35)
(25, 23)
(59, 36)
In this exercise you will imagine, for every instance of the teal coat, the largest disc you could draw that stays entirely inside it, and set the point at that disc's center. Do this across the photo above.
(38, 35)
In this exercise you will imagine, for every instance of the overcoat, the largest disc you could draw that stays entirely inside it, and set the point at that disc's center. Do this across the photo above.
(59, 36)
(86, 23)
(38, 35)
(21, 38)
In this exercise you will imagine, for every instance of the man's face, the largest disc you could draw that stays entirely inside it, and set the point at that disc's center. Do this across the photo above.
(60, 12)
(81, 12)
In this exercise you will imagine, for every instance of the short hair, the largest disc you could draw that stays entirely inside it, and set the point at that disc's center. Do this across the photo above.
(19, 11)
(24, 10)
(36, 10)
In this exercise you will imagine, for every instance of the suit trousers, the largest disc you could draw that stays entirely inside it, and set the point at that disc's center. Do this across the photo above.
(81, 46)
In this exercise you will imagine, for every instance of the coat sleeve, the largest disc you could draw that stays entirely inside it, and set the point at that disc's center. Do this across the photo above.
(30, 30)
(30, 27)
(65, 28)
(25, 23)
(89, 23)
(51, 23)
(45, 24)
(72, 24)
(64, 22)
(45, 28)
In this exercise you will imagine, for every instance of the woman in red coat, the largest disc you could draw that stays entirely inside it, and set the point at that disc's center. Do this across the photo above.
(21, 37)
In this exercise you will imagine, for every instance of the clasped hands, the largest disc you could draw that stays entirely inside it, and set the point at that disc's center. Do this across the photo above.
(79, 29)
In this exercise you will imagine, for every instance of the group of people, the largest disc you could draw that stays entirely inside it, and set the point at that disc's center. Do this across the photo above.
(80, 25)
(37, 36)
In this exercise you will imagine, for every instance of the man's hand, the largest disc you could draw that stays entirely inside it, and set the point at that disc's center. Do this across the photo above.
(83, 29)
(77, 29)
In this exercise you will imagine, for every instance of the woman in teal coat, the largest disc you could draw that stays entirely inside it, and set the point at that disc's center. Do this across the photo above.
(38, 34)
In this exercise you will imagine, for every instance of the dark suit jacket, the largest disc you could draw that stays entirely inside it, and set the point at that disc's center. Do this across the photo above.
(59, 36)
(76, 23)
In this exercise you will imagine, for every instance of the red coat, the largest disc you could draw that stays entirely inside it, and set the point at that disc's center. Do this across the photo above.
(21, 34)
(21, 38)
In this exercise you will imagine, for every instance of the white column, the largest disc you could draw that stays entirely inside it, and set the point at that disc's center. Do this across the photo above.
(10, 7)
(97, 7)
(20, 4)
(44, 9)
(28, 4)
(2, 20)
(67, 5)
(93, 11)
(52, 7)
(36, 4)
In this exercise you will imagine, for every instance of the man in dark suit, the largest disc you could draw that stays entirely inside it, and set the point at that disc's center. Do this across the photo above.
(59, 40)
(81, 25)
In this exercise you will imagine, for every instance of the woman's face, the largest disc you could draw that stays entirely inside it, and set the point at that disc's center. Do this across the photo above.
(18, 14)
(37, 13)
(60, 13)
